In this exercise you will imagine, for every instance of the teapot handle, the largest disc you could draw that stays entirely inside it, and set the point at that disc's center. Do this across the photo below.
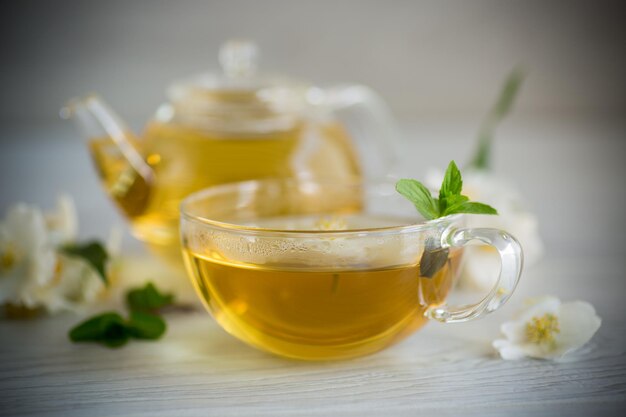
(369, 121)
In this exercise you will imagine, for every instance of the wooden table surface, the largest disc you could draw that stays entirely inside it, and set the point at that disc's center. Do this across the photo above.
(197, 369)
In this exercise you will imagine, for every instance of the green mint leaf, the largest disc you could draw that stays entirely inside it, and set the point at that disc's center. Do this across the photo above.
(453, 203)
(93, 253)
(500, 110)
(451, 186)
(112, 330)
(471, 207)
(148, 299)
(420, 196)
(145, 325)
(106, 328)
(452, 181)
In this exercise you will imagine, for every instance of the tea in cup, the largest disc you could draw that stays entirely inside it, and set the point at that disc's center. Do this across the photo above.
(329, 270)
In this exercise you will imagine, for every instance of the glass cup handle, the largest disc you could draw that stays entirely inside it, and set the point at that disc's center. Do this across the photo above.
(512, 259)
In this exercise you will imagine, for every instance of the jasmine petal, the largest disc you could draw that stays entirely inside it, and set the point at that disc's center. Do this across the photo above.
(33, 274)
(548, 329)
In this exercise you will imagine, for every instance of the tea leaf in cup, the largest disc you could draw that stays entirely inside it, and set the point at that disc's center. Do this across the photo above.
(433, 259)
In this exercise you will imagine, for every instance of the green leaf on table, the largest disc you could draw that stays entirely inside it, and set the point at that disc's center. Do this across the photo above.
(145, 325)
(93, 253)
(112, 330)
(106, 328)
(148, 299)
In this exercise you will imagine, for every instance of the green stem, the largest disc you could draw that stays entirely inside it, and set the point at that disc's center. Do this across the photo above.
(482, 157)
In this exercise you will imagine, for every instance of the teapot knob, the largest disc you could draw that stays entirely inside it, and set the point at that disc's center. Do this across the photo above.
(238, 58)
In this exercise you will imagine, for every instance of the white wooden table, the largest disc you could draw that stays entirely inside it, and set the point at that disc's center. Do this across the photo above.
(197, 369)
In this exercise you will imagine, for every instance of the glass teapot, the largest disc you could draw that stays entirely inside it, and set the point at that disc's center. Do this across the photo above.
(226, 127)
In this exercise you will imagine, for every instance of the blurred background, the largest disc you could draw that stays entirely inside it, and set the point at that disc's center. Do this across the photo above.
(426, 57)
(439, 64)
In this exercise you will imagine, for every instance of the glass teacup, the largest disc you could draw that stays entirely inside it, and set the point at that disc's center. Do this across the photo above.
(314, 270)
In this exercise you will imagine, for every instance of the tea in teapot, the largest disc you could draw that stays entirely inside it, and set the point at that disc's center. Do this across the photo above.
(221, 128)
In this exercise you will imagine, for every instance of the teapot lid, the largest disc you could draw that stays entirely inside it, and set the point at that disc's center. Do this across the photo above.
(238, 98)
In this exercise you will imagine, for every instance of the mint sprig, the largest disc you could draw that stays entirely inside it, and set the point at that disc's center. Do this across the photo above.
(112, 330)
(450, 200)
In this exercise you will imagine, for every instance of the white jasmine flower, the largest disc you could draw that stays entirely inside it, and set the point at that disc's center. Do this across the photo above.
(548, 329)
(75, 286)
(27, 260)
(33, 273)
(62, 224)
(482, 264)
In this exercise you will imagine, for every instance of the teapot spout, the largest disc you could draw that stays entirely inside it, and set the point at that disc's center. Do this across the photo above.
(126, 176)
